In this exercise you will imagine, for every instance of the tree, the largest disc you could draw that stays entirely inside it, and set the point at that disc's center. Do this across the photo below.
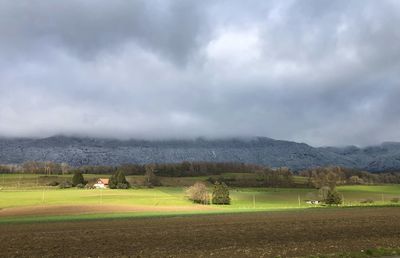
(118, 181)
(78, 178)
(198, 193)
(356, 180)
(149, 177)
(281, 177)
(323, 192)
(333, 197)
(64, 168)
(328, 176)
(220, 194)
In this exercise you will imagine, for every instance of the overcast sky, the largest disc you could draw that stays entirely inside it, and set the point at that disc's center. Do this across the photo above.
(322, 72)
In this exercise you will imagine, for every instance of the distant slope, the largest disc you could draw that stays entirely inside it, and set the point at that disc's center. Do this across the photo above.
(264, 151)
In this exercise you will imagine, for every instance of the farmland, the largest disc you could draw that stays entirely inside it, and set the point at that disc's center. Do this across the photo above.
(159, 221)
(23, 193)
(261, 234)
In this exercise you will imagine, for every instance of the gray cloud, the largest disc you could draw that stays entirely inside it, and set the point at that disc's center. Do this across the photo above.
(321, 72)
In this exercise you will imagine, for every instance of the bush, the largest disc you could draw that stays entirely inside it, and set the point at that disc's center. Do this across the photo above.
(80, 186)
(395, 200)
(53, 183)
(78, 179)
(65, 185)
(220, 194)
(122, 186)
(333, 198)
(198, 193)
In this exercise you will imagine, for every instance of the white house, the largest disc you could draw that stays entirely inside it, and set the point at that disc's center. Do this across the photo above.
(101, 183)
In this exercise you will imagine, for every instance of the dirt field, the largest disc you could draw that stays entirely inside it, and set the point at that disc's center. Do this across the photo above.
(235, 235)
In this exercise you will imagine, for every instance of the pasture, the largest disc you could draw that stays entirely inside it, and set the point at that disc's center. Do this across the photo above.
(242, 198)
(23, 195)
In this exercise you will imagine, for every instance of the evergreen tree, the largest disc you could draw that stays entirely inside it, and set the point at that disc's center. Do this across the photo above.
(112, 183)
(118, 181)
(78, 179)
(220, 194)
(333, 197)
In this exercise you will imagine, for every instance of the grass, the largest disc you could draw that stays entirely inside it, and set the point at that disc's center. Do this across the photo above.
(98, 216)
(164, 196)
(242, 198)
(19, 190)
(380, 194)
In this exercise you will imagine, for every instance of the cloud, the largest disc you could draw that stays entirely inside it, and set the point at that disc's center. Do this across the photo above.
(320, 72)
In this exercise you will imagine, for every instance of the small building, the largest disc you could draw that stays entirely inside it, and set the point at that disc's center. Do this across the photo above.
(101, 183)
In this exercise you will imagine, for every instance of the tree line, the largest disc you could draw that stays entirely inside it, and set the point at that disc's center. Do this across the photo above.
(181, 169)
(266, 177)
(332, 175)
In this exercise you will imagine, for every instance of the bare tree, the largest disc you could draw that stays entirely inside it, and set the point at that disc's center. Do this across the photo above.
(198, 193)
(150, 177)
(64, 168)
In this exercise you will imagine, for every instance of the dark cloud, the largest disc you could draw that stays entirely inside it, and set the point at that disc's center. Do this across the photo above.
(321, 72)
(170, 28)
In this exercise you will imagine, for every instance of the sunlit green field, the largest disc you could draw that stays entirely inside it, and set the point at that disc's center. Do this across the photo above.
(24, 190)
(242, 198)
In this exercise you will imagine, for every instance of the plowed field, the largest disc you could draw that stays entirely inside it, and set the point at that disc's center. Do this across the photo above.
(266, 234)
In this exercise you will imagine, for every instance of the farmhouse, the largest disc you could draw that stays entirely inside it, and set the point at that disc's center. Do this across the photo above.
(101, 183)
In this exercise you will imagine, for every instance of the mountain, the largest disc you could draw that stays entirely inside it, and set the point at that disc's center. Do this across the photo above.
(78, 151)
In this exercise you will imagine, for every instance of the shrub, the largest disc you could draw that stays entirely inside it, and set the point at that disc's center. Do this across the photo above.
(122, 186)
(220, 194)
(65, 185)
(333, 198)
(395, 200)
(78, 179)
(80, 186)
(53, 183)
(198, 193)
(368, 200)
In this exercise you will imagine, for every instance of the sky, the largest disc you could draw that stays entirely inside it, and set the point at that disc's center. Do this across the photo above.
(316, 71)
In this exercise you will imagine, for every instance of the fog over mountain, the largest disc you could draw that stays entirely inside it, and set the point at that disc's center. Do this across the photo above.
(316, 71)
(78, 151)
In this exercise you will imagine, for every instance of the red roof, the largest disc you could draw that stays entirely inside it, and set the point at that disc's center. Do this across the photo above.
(104, 180)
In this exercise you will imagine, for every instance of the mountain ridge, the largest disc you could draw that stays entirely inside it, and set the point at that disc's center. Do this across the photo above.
(78, 151)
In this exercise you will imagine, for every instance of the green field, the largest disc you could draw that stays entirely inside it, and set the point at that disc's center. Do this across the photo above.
(243, 198)
(29, 190)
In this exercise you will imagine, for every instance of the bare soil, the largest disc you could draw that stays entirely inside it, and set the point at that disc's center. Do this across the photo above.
(90, 209)
(267, 234)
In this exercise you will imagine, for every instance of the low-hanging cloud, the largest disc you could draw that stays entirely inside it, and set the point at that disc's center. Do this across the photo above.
(320, 72)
